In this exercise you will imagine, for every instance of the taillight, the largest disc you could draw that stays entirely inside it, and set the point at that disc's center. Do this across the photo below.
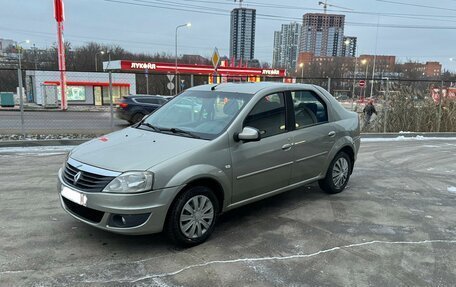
(123, 105)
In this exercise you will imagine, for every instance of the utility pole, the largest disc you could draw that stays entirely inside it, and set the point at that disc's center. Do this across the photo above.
(385, 105)
(21, 85)
(439, 111)
(375, 58)
(34, 57)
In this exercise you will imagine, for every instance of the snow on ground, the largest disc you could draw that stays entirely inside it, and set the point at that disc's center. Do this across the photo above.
(452, 189)
(403, 138)
(47, 150)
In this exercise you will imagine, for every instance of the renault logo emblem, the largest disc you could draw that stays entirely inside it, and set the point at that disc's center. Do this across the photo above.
(76, 177)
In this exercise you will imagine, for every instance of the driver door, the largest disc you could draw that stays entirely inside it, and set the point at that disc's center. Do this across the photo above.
(263, 166)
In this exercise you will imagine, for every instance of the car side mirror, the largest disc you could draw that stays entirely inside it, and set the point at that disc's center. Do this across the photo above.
(248, 134)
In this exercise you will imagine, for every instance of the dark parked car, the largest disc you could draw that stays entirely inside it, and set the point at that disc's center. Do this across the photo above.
(133, 108)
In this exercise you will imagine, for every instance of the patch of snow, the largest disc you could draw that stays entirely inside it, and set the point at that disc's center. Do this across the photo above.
(452, 189)
(36, 150)
(403, 138)
(403, 132)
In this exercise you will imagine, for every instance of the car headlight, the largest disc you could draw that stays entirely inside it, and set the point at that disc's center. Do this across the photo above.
(131, 182)
(66, 159)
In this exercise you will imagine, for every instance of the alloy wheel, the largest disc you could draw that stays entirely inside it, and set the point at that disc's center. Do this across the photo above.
(340, 172)
(196, 216)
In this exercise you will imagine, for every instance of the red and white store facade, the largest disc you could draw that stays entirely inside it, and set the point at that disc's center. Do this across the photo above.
(224, 72)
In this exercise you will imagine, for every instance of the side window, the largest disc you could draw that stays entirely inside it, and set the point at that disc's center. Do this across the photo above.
(148, 101)
(309, 109)
(268, 115)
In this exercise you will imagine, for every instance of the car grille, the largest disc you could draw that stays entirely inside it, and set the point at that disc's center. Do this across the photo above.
(84, 212)
(87, 181)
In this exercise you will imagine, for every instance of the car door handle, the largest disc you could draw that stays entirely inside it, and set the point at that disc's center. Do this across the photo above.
(331, 133)
(287, 146)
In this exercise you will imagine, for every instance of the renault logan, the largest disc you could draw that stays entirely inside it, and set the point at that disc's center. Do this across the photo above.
(211, 149)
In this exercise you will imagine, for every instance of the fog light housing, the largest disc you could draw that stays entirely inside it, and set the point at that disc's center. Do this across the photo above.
(127, 220)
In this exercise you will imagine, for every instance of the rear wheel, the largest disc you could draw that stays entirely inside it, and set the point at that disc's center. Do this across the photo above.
(192, 216)
(337, 175)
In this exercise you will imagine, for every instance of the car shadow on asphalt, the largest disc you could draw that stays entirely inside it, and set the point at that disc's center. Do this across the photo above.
(229, 221)
(272, 206)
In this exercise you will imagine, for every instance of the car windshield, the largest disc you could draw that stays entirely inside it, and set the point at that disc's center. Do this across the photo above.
(199, 114)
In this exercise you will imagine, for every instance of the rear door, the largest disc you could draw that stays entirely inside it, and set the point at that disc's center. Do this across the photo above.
(148, 105)
(313, 135)
(263, 166)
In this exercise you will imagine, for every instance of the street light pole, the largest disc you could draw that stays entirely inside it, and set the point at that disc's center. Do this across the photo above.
(96, 59)
(175, 42)
(21, 85)
(301, 65)
(354, 81)
(367, 70)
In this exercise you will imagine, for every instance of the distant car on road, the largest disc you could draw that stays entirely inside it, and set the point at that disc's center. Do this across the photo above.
(133, 108)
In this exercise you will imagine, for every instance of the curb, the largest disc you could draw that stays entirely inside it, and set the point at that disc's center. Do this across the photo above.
(58, 142)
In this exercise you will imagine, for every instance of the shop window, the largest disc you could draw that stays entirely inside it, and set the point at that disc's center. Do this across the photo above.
(74, 93)
(116, 94)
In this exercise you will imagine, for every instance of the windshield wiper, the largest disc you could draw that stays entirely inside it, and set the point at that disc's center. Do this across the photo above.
(149, 126)
(179, 131)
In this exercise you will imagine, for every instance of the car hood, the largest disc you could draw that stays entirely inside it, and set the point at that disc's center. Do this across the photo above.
(133, 149)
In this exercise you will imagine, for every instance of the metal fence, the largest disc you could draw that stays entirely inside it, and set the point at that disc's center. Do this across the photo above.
(402, 104)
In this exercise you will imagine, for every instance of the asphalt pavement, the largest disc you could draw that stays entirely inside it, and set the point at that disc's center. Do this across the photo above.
(393, 226)
(59, 122)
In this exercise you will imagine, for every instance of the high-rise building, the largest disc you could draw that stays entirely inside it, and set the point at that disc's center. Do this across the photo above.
(276, 49)
(286, 45)
(322, 34)
(6, 43)
(242, 34)
(349, 47)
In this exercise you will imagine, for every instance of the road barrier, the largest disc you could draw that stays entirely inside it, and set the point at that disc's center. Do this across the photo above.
(402, 104)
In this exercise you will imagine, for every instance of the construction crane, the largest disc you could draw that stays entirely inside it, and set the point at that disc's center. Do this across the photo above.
(240, 2)
(326, 5)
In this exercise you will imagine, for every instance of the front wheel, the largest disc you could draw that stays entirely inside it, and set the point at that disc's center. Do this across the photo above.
(192, 217)
(337, 175)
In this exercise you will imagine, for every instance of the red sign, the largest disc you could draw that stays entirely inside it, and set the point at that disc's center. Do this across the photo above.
(59, 11)
(447, 93)
(194, 69)
(362, 83)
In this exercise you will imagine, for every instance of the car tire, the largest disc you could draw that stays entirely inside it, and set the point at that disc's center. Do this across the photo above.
(337, 175)
(192, 216)
(136, 118)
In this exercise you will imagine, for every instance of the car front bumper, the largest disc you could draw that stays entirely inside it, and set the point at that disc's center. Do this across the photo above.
(143, 213)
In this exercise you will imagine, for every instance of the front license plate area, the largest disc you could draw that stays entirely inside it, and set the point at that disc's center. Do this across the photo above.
(74, 196)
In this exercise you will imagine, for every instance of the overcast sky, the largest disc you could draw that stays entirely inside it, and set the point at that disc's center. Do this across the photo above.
(150, 29)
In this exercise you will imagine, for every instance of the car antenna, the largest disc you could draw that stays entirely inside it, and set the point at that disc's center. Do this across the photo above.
(213, 87)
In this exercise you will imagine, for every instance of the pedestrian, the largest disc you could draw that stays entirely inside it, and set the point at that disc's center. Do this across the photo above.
(368, 110)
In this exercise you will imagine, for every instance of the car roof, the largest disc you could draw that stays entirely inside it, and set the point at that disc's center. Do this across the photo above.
(146, 96)
(249, 88)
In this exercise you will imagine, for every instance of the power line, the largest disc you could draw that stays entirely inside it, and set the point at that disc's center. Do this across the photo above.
(417, 5)
(274, 17)
(293, 7)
